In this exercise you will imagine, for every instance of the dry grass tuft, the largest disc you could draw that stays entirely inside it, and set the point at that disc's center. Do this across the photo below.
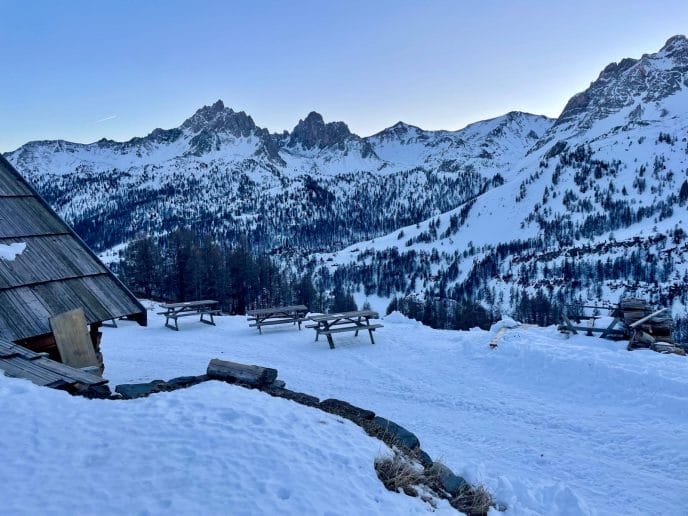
(474, 501)
(396, 472)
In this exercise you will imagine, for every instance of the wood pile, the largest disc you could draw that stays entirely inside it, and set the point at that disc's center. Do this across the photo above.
(649, 328)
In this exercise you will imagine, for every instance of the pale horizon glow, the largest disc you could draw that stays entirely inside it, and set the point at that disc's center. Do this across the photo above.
(436, 64)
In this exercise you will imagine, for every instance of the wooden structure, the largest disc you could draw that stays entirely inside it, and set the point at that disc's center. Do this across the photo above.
(55, 272)
(19, 362)
(203, 307)
(327, 324)
(73, 340)
(276, 315)
(634, 320)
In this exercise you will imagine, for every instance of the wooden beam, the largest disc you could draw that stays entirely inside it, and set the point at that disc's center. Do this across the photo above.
(646, 318)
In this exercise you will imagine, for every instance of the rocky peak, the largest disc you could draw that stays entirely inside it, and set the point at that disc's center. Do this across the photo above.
(218, 118)
(314, 132)
(621, 85)
(398, 130)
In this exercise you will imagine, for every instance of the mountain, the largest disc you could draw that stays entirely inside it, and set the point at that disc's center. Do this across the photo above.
(521, 214)
(595, 209)
(314, 188)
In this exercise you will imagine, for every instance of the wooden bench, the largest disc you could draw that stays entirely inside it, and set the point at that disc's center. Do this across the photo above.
(328, 324)
(175, 310)
(276, 315)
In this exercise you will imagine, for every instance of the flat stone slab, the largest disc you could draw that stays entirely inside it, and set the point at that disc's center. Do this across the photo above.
(346, 410)
(392, 433)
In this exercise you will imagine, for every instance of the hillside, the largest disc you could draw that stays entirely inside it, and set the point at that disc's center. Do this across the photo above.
(314, 188)
(597, 208)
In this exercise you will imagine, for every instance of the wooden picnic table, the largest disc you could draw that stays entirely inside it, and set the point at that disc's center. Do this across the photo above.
(202, 307)
(355, 321)
(276, 315)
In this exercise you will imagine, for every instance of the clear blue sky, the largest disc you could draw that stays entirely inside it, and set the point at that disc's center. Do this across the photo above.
(82, 70)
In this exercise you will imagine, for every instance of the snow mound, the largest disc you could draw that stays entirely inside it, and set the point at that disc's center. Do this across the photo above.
(210, 449)
(505, 322)
(11, 251)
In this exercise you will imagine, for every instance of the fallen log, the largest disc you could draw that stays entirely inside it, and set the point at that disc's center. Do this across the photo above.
(233, 372)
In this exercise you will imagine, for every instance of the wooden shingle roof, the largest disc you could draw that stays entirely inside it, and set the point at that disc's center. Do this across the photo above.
(56, 271)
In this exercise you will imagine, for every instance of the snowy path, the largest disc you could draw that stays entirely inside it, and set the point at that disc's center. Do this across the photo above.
(552, 426)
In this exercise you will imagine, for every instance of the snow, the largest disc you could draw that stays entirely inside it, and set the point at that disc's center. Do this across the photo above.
(550, 425)
(212, 449)
(11, 251)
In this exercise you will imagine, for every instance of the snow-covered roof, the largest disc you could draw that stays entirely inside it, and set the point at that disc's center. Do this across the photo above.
(46, 269)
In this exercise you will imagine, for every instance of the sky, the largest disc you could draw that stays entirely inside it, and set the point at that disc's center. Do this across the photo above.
(83, 70)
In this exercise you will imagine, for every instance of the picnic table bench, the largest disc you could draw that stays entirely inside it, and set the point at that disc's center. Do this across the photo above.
(276, 315)
(175, 310)
(355, 321)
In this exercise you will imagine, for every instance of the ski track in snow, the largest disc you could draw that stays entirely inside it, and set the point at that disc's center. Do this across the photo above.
(550, 425)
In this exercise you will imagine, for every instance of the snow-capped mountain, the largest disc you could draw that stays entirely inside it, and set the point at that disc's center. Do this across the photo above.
(597, 207)
(502, 212)
(313, 188)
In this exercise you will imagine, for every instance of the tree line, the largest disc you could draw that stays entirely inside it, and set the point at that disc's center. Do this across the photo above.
(183, 266)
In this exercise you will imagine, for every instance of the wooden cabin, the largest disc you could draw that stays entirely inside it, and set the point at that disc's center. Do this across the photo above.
(46, 270)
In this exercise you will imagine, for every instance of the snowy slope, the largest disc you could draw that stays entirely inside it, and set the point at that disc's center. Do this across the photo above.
(213, 449)
(612, 171)
(221, 171)
(550, 425)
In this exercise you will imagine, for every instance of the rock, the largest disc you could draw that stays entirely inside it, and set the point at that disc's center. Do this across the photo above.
(423, 458)
(298, 397)
(182, 382)
(346, 410)
(101, 392)
(451, 483)
(232, 372)
(393, 434)
(279, 384)
(130, 391)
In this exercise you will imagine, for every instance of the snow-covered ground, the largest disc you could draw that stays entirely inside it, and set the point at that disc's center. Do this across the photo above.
(212, 449)
(550, 425)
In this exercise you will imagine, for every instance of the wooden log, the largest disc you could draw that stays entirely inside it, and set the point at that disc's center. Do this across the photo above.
(233, 372)
(646, 318)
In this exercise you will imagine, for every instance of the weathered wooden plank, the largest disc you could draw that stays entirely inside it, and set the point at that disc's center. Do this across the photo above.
(372, 327)
(46, 258)
(73, 340)
(646, 318)
(269, 322)
(202, 302)
(277, 309)
(18, 367)
(25, 216)
(344, 315)
(70, 373)
(10, 184)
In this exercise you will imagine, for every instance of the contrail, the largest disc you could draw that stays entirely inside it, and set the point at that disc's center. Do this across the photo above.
(106, 118)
